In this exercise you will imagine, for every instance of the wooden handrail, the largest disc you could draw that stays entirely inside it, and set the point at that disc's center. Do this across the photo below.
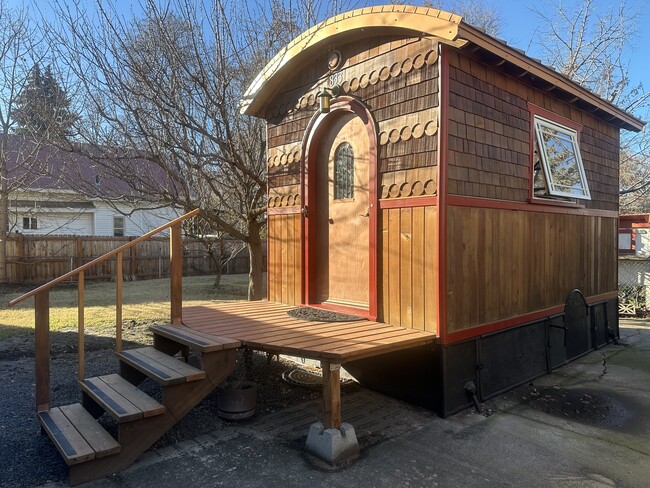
(102, 258)
(42, 304)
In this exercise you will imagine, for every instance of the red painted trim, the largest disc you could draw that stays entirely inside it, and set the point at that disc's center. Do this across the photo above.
(628, 225)
(603, 297)
(553, 117)
(307, 180)
(443, 158)
(478, 330)
(268, 262)
(409, 202)
(483, 329)
(554, 203)
(636, 221)
(317, 126)
(459, 201)
(294, 209)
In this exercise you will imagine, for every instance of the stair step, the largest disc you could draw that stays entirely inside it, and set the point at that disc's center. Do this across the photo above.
(76, 434)
(160, 367)
(194, 339)
(120, 399)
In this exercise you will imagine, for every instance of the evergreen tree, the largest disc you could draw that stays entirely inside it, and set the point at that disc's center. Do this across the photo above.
(43, 107)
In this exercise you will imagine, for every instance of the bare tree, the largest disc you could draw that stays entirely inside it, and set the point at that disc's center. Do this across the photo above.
(482, 14)
(163, 88)
(591, 47)
(20, 49)
(635, 176)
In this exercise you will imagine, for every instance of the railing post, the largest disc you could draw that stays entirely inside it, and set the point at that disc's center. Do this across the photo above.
(42, 349)
(80, 326)
(176, 273)
(132, 266)
(118, 302)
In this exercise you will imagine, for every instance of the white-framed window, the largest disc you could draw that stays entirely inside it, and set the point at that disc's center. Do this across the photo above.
(558, 168)
(118, 226)
(30, 223)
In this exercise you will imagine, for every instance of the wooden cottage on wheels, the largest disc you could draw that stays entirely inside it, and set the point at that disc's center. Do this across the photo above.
(426, 175)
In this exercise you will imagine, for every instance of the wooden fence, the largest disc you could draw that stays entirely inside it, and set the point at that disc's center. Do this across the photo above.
(38, 259)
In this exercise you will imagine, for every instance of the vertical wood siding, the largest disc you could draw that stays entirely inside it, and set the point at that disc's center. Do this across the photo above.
(284, 259)
(505, 263)
(407, 270)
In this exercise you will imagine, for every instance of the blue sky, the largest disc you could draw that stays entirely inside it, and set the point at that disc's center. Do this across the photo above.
(519, 27)
(520, 24)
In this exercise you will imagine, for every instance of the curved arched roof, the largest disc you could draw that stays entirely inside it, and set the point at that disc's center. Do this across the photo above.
(347, 27)
(412, 21)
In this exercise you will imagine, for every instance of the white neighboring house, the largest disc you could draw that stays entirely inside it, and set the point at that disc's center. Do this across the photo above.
(44, 204)
(68, 213)
(634, 262)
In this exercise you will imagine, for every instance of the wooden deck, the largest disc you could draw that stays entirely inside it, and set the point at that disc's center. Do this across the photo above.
(265, 326)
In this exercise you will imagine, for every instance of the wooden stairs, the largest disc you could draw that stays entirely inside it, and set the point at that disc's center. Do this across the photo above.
(88, 449)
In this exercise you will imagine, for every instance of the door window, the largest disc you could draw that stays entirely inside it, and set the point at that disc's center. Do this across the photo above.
(344, 172)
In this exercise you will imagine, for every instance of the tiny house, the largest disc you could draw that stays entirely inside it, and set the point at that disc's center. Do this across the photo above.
(460, 196)
(426, 175)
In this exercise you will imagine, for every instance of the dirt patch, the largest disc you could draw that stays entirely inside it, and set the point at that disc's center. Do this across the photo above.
(582, 405)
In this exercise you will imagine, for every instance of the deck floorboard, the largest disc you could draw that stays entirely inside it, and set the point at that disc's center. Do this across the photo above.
(266, 326)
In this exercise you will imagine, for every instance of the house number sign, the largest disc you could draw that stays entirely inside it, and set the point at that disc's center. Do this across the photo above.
(336, 78)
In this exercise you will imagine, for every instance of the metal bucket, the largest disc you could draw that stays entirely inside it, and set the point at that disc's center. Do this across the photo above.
(238, 403)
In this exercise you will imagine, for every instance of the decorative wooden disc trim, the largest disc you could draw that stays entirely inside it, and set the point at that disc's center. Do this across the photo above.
(286, 154)
(408, 189)
(368, 72)
(405, 127)
(284, 196)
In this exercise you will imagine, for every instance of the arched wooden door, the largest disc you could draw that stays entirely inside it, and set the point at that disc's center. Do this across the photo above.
(342, 216)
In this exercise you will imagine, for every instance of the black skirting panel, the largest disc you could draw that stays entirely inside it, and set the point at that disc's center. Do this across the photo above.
(437, 377)
(511, 358)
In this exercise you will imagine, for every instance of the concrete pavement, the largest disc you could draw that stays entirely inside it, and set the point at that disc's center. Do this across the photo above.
(586, 425)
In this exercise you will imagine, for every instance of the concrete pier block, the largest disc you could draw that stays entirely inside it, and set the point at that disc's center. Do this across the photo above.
(333, 446)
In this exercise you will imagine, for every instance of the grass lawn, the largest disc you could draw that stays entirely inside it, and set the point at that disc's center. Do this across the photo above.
(144, 302)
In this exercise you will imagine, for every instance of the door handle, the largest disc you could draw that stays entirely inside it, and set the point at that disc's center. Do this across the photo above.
(367, 214)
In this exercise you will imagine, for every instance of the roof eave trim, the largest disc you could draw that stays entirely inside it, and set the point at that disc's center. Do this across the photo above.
(519, 59)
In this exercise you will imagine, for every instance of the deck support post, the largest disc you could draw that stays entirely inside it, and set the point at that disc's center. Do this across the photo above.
(331, 440)
(331, 395)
